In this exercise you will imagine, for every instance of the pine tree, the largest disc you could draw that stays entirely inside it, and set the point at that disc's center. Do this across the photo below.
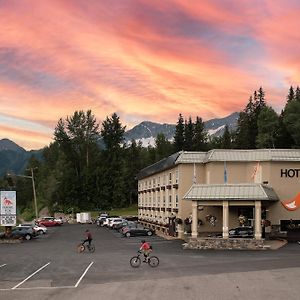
(200, 139)
(268, 125)
(163, 147)
(113, 176)
(297, 94)
(291, 119)
(77, 138)
(188, 134)
(283, 138)
(179, 135)
(291, 95)
(226, 139)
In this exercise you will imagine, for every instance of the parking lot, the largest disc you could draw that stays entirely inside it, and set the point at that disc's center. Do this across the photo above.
(49, 265)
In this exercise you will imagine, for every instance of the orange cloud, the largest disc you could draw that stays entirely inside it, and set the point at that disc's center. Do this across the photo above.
(143, 61)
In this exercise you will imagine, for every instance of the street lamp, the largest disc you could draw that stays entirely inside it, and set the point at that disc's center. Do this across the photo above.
(33, 188)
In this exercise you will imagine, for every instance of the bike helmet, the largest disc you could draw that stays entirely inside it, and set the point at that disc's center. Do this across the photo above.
(143, 241)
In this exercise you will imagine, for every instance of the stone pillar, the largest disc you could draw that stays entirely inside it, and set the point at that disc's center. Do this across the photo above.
(257, 228)
(180, 231)
(225, 219)
(194, 219)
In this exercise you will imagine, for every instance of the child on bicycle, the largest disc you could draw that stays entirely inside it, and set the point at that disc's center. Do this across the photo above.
(88, 238)
(146, 249)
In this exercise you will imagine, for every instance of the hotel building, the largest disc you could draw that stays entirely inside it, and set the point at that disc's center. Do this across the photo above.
(218, 190)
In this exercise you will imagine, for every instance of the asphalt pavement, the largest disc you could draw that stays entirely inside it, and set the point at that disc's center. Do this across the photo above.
(49, 267)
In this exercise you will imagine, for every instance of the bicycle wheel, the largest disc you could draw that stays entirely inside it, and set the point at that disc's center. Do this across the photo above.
(153, 261)
(92, 248)
(135, 261)
(80, 248)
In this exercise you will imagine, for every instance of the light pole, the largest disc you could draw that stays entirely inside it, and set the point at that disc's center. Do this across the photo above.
(33, 188)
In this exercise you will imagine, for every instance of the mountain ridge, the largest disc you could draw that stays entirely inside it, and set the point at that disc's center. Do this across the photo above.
(14, 158)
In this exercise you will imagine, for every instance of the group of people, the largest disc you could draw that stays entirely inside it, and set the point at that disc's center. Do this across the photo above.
(145, 247)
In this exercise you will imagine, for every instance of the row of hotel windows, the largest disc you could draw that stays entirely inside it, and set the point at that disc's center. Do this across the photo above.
(152, 201)
(158, 181)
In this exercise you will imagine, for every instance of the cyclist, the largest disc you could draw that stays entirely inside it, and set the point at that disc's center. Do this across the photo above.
(145, 249)
(88, 238)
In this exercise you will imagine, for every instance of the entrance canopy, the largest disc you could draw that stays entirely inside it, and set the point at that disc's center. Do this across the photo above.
(239, 192)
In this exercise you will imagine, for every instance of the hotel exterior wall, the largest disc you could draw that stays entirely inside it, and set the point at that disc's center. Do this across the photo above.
(286, 188)
(185, 182)
(268, 172)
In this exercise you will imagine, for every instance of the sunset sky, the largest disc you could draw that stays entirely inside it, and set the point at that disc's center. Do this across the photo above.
(144, 60)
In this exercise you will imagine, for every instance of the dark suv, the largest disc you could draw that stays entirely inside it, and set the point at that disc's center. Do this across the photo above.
(241, 232)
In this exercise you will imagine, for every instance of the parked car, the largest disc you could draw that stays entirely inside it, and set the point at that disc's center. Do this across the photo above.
(119, 226)
(139, 230)
(49, 222)
(39, 229)
(100, 220)
(114, 221)
(241, 232)
(108, 220)
(26, 233)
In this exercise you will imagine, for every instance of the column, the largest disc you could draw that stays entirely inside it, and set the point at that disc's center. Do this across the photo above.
(194, 219)
(225, 219)
(257, 228)
(180, 230)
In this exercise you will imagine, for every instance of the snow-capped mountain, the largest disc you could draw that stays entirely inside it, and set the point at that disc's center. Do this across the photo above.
(146, 132)
(15, 158)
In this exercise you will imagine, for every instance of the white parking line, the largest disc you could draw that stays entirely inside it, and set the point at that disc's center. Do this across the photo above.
(3, 265)
(77, 283)
(13, 288)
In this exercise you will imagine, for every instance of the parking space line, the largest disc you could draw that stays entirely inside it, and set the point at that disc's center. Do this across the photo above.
(13, 288)
(79, 280)
(3, 265)
(42, 288)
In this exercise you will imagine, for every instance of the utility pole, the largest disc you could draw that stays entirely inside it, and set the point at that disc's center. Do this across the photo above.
(34, 195)
(33, 188)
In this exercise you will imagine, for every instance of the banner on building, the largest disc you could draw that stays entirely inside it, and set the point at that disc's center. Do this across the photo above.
(292, 204)
(8, 216)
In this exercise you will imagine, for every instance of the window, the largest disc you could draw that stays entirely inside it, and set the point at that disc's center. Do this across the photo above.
(170, 200)
(176, 176)
(176, 200)
(158, 182)
(170, 178)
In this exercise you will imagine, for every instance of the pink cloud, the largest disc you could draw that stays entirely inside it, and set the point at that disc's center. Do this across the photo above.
(152, 61)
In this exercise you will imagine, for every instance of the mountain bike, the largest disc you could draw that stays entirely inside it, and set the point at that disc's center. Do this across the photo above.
(81, 248)
(136, 261)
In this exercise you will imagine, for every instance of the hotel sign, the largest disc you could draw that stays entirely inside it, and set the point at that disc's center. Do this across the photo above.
(290, 173)
(8, 215)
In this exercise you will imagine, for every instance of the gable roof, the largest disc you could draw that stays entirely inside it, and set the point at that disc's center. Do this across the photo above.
(231, 192)
(228, 155)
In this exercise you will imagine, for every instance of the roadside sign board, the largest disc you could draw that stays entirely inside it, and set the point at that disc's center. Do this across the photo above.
(8, 215)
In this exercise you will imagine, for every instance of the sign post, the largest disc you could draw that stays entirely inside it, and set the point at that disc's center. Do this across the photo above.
(8, 216)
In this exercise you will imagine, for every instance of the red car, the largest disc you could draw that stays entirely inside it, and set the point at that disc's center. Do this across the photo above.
(49, 222)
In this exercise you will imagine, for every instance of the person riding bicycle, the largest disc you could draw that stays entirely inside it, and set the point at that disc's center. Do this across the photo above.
(88, 237)
(145, 249)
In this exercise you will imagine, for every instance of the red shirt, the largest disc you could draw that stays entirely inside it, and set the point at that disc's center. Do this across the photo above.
(145, 246)
(88, 235)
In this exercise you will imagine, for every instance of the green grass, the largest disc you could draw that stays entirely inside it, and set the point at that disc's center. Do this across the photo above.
(127, 211)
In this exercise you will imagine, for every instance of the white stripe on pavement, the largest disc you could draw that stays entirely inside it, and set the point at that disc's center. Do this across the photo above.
(77, 283)
(30, 276)
(41, 288)
(3, 265)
